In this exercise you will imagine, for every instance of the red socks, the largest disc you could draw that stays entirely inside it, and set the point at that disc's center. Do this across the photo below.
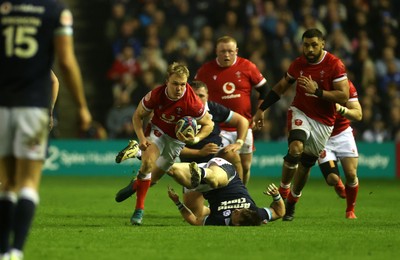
(291, 199)
(141, 186)
(284, 192)
(351, 196)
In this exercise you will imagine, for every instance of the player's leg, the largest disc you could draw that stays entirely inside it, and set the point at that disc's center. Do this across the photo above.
(330, 171)
(246, 155)
(28, 179)
(218, 173)
(180, 172)
(298, 134)
(246, 152)
(143, 181)
(300, 179)
(30, 146)
(246, 160)
(194, 201)
(219, 176)
(8, 199)
(291, 160)
(350, 170)
(313, 145)
(235, 159)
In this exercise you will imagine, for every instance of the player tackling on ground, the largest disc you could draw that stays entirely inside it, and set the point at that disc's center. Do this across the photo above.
(230, 203)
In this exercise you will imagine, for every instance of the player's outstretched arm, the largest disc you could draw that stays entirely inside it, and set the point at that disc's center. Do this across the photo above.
(242, 125)
(64, 49)
(352, 110)
(55, 87)
(277, 206)
(185, 212)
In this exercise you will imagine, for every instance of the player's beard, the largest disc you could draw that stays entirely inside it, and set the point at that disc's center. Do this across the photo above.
(313, 59)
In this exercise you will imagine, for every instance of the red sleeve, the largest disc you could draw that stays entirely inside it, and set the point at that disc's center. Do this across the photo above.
(149, 101)
(256, 76)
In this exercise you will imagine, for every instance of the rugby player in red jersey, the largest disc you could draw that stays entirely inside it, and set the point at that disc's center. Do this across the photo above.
(160, 146)
(342, 146)
(230, 80)
(321, 81)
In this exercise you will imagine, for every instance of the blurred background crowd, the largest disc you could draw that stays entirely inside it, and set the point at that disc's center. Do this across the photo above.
(143, 37)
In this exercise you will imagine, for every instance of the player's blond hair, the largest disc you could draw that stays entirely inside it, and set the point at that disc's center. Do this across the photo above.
(178, 69)
(226, 39)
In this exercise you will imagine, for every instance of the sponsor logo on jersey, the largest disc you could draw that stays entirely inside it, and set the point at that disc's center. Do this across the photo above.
(168, 119)
(157, 133)
(229, 87)
(298, 122)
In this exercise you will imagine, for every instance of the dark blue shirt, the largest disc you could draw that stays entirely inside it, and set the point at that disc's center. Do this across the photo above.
(28, 29)
(219, 114)
(224, 200)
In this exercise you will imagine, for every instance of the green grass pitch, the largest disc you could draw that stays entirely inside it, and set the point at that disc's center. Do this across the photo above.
(79, 219)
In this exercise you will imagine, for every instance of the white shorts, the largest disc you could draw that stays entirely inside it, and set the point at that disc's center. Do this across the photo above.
(205, 187)
(170, 148)
(340, 146)
(24, 132)
(317, 133)
(229, 137)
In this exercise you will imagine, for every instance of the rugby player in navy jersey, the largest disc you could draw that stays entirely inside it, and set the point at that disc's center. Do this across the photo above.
(230, 203)
(33, 32)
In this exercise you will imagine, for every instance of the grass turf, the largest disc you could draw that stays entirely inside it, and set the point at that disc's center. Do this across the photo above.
(79, 219)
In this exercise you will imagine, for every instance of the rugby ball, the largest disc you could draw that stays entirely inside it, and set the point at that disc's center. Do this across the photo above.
(187, 126)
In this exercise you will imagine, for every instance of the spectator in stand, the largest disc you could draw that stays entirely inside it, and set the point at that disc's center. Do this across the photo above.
(114, 23)
(231, 27)
(124, 63)
(378, 133)
(333, 14)
(392, 77)
(119, 118)
(182, 44)
(394, 122)
(165, 29)
(381, 64)
(127, 37)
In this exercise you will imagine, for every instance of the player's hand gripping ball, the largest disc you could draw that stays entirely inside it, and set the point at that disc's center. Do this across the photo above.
(187, 126)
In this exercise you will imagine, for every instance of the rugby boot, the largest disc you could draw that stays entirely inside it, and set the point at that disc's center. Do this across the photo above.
(129, 151)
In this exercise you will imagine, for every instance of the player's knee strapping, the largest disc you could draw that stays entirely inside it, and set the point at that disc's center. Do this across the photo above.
(291, 161)
(328, 168)
(308, 161)
(297, 135)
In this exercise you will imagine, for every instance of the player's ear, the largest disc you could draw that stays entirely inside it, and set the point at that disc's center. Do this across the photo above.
(322, 44)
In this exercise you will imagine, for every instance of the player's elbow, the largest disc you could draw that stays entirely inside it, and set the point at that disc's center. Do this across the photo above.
(279, 208)
(358, 115)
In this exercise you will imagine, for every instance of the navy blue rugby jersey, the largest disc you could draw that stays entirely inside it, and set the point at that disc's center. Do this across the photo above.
(28, 29)
(219, 114)
(224, 200)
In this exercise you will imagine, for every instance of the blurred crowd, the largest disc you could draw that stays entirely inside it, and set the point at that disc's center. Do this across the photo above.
(145, 36)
